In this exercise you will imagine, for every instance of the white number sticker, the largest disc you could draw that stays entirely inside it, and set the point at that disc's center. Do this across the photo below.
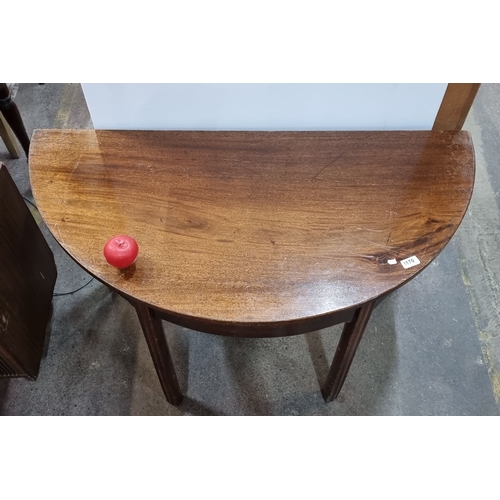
(410, 262)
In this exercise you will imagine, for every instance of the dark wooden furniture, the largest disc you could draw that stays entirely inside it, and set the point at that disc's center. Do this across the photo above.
(10, 112)
(254, 234)
(27, 278)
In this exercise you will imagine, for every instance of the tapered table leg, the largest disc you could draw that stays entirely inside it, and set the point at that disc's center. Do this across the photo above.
(155, 338)
(349, 341)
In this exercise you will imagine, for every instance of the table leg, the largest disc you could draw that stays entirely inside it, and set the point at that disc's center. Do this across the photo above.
(8, 137)
(155, 338)
(349, 341)
(13, 117)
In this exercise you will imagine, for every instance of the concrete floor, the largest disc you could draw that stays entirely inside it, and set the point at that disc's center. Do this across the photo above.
(432, 348)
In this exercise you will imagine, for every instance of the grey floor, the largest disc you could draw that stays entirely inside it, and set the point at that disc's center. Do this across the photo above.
(432, 348)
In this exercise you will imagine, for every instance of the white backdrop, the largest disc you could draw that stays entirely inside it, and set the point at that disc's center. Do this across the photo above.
(265, 106)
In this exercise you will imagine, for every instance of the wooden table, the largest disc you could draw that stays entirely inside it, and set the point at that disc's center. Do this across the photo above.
(254, 234)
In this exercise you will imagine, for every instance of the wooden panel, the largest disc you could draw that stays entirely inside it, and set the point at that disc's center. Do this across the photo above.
(455, 107)
(260, 229)
(28, 275)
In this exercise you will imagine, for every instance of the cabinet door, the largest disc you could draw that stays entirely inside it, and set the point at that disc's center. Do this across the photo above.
(27, 277)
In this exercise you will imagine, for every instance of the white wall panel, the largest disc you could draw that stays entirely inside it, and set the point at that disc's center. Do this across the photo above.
(264, 106)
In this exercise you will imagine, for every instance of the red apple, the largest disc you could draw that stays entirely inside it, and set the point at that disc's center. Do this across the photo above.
(121, 251)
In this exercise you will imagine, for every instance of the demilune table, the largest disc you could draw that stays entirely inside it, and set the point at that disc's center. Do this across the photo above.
(254, 234)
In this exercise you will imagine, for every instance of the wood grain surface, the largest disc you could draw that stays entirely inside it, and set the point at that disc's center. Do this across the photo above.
(455, 106)
(265, 228)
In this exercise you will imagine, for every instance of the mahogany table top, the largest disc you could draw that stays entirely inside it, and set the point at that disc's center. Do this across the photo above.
(254, 227)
